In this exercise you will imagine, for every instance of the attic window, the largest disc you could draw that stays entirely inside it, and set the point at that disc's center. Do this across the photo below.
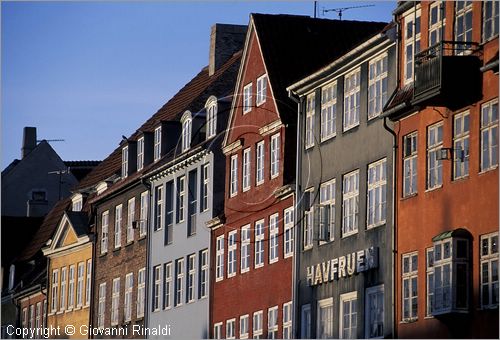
(157, 144)
(186, 131)
(140, 153)
(125, 162)
(77, 205)
(211, 108)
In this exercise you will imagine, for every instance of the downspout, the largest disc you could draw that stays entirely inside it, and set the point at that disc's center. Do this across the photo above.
(94, 254)
(295, 262)
(148, 253)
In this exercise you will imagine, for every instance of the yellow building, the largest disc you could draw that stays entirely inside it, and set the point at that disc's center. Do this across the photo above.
(69, 255)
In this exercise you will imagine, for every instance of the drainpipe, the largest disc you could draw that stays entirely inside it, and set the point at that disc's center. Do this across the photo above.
(147, 184)
(93, 208)
(295, 265)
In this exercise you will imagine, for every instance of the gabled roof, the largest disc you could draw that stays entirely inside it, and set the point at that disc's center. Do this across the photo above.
(46, 230)
(191, 97)
(294, 46)
(80, 222)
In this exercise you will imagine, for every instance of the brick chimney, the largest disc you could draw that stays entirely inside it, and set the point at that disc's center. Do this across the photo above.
(29, 140)
(225, 40)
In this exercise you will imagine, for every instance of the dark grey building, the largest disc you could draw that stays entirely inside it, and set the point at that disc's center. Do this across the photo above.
(343, 269)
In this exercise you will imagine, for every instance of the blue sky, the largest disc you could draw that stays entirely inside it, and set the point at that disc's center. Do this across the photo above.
(90, 72)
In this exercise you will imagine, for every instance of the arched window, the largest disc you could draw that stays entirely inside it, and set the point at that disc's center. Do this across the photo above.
(211, 107)
(186, 130)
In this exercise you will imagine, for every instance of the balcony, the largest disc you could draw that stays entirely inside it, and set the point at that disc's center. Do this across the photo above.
(448, 74)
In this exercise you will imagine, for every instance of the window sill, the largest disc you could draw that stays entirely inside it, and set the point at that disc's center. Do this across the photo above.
(258, 266)
(350, 234)
(117, 249)
(288, 255)
(142, 237)
(484, 42)
(103, 254)
(408, 196)
(129, 243)
(231, 275)
(350, 128)
(322, 243)
(259, 183)
(408, 321)
(219, 279)
(434, 188)
(308, 147)
(158, 229)
(139, 318)
(247, 111)
(77, 308)
(243, 271)
(274, 261)
(375, 226)
(246, 189)
(259, 104)
(327, 138)
(428, 317)
(307, 248)
(460, 179)
(488, 170)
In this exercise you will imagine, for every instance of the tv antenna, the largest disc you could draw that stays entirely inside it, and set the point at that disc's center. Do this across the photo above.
(340, 10)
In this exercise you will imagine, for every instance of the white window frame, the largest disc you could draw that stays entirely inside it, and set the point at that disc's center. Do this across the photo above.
(246, 169)
(308, 222)
(64, 279)
(232, 248)
(261, 90)
(88, 282)
(327, 194)
(411, 38)
(101, 309)
(104, 231)
(461, 145)
(140, 153)
(272, 322)
(377, 85)
(243, 326)
(410, 276)
(157, 280)
(460, 15)
(141, 292)
(118, 226)
(273, 238)
(487, 259)
(157, 144)
(257, 323)
(245, 249)
(376, 203)
(32, 316)
(115, 301)
(130, 219)
(328, 111)
(374, 292)
(247, 98)
(352, 330)
(127, 303)
(125, 162)
(490, 127)
(79, 284)
(434, 146)
(191, 278)
(436, 25)
(289, 227)
(259, 163)
(350, 203)
(287, 320)
(143, 214)
(305, 321)
(324, 330)
(259, 244)
(218, 330)
(352, 96)
(310, 114)
(186, 133)
(71, 286)
(231, 328)
(181, 181)
(158, 211)
(211, 119)
(490, 21)
(410, 164)
(167, 285)
(205, 172)
(38, 315)
(429, 283)
(275, 155)
(204, 274)
(179, 282)
(219, 259)
(233, 182)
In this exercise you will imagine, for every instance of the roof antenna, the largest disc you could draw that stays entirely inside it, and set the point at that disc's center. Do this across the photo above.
(340, 10)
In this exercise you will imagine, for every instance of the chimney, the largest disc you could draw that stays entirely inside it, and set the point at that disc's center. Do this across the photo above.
(29, 140)
(225, 40)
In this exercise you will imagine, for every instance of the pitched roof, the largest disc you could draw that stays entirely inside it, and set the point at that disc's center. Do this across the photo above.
(295, 46)
(189, 97)
(46, 230)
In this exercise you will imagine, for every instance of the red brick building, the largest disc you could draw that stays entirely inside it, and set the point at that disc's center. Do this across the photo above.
(253, 243)
(446, 132)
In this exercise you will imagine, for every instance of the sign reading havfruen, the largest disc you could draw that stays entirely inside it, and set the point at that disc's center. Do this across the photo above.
(343, 266)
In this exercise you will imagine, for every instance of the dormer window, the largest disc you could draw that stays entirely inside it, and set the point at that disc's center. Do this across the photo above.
(211, 108)
(186, 130)
(77, 202)
(157, 144)
(125, 162)
(140, 153)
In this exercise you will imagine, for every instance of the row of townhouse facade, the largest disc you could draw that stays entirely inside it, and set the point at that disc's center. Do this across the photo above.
(345, 189)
